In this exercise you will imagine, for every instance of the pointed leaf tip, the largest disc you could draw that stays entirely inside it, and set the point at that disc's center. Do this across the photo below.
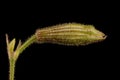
(7, 40)
(12, 45)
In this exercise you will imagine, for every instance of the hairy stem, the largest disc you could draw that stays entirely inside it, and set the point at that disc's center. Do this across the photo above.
(27, 43)
(15, 54)
(11, 69)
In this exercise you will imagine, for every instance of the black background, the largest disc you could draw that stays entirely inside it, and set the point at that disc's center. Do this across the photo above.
(51, 61)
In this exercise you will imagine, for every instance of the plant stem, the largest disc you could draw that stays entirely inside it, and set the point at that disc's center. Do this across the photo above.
(27, 43)
(12, 69)
(13, 56)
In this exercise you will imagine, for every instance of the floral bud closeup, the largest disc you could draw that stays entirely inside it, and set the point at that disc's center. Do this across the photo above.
(73, 34)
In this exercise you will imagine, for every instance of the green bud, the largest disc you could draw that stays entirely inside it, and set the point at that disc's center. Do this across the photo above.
(70, 34)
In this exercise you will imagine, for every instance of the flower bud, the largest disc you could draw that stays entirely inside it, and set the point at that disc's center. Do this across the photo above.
(73, 34)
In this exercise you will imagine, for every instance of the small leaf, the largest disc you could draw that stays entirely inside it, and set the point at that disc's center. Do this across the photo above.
(7, 41)
(19, 45)
(12, 45)
(16, 53)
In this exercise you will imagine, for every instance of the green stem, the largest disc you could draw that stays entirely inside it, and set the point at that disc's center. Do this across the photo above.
(27, 43)
(13, 57)
(12, 69)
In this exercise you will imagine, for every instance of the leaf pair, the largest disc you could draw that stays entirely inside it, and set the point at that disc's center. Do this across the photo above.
(12, 52)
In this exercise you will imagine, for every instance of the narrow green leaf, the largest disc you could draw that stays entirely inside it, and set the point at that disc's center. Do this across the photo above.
(19, 44)
(12, 45)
